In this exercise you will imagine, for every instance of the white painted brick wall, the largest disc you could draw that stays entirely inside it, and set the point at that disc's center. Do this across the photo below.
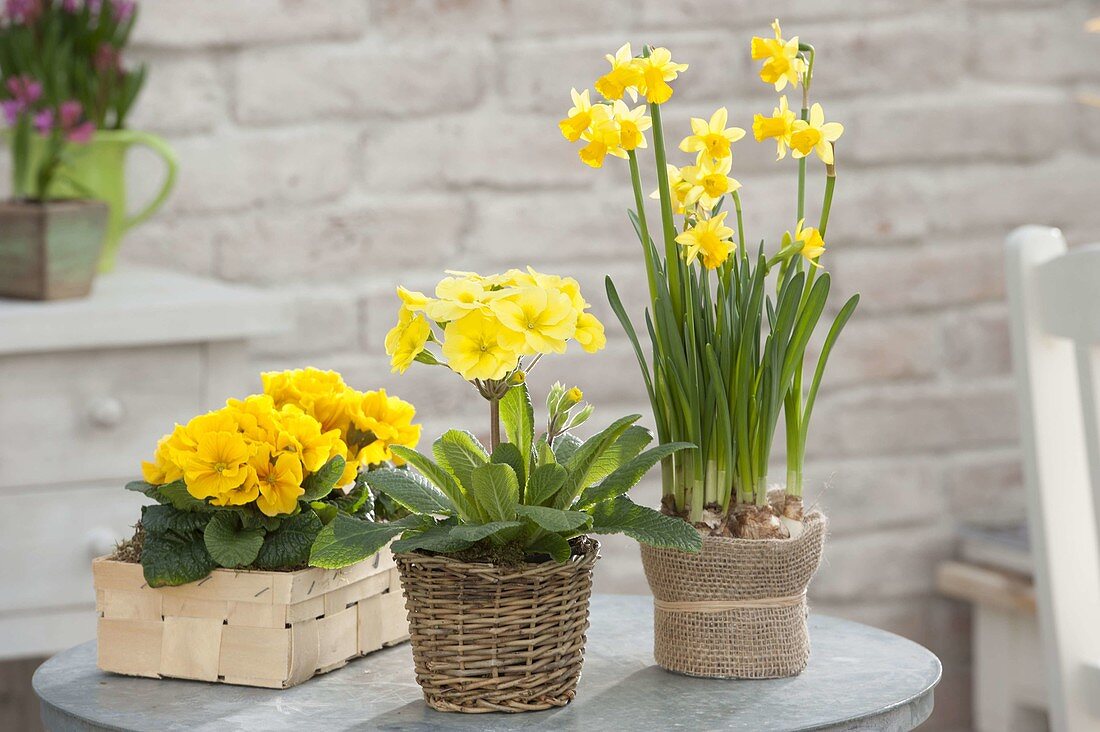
(331, 148)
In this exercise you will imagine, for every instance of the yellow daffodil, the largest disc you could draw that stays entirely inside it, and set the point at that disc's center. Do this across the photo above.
(407, 339)
(477, 346)
(632, 123)
(218, 466)
(782, 64)
(679, 188)
(625, 75)
(709, 181)
(457, 296)
(815, 135)
(278, 482)
(589, 333)
(710, 240)
(779, 126)
(712, 137)
(603, 138)
(812, 246)
(657, 70)
(578, 118)
(544, 318)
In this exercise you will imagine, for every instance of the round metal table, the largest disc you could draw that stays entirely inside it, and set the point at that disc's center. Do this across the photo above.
(859, 678)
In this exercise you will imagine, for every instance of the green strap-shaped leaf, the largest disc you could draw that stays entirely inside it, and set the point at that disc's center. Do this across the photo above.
(442, 479)
(554, 520)
(320, 484)
(553, 545)
(628, 475)
(459, 452)
(289, 545)
(545, 482)
(229, 544)
(623, 516)
(508, 454)
(348, 540)
(518, 416)
(496, 491)
(411, 490)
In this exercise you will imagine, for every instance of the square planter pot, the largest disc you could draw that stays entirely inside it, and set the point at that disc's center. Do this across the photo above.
(50, 251)
(253, 628)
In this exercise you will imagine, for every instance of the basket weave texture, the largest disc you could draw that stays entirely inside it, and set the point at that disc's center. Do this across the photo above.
(497, 639)
(737, 609)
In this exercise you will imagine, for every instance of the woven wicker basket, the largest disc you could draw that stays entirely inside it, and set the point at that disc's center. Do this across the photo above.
(737, 609)
(497, 639)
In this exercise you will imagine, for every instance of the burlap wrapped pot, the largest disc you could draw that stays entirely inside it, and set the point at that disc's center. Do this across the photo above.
(737, 609)
(497, 639)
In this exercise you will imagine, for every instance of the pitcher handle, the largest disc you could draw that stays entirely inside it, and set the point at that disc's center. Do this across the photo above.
(161, 148)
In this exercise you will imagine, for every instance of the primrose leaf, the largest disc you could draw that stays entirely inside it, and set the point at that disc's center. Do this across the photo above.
(411, 490)
(229, 544)
(290, 544)
(496, 490)
(320, 484)
(168, 560)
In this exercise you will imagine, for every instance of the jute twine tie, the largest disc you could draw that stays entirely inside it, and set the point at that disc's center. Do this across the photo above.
(738, 608)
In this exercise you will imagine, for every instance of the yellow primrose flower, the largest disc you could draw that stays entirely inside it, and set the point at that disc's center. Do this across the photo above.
(657, 70)
(544, 318)
(301, 435)
(574, 395)
(625, 75)
(779, 125)
(218, 466)
(813, 246)
(679, 188)
(712, 137)
(415, 301)
(279, 483)
(816, 135)
(590, 333)
(165, 468)
(477, 346)
(603, 138)
(578, 117)
(632, 123)
(782, 64)
(457, 297)
(709, 181)
(710, 239)
(407, 339)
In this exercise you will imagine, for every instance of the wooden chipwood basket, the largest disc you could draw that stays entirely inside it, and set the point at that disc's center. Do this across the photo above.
(253, 628)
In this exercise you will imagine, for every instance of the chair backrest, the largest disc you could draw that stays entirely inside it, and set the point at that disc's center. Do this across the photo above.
(1054, 298)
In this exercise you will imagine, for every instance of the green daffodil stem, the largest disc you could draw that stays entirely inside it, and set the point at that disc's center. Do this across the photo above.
(639, 205)
(740, 221)
(672, 257)
(827, 201)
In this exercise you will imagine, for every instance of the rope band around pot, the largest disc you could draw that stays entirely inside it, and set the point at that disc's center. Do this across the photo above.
(717, 606)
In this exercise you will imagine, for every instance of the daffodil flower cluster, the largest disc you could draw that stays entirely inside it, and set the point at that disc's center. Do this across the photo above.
(727, 354)
(260, 449)
(487, 325)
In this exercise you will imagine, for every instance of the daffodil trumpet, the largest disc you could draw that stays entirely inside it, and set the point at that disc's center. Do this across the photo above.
(728, 340)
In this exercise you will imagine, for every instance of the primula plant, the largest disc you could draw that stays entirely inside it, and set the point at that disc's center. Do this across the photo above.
(252, 484)
(63, 78)
(525, 497)
(728, 327)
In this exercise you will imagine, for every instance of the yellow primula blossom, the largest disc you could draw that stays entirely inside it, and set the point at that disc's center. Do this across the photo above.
(301, 435)
(478, 347)
(415, 301)
(386, 421)
(812, 245)
(457, 296)
(278, 480)
(632, 123)
(603, 138)
(709, 181)
(779, 126)
(815, 135)
(657, 70)
(545, 318)
(407, 339)
(218, 466)
(578, 118)
(712, 137)
(782, 64)
(679, 188)
(709, 240)
(625, 75)
(590, 333)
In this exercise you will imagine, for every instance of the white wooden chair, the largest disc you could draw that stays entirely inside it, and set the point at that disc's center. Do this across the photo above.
(1054, 297)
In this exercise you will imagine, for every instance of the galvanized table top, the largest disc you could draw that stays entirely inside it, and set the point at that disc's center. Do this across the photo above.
(859, 678)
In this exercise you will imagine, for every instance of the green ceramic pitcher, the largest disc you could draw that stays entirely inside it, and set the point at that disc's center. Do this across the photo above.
(97, 169)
